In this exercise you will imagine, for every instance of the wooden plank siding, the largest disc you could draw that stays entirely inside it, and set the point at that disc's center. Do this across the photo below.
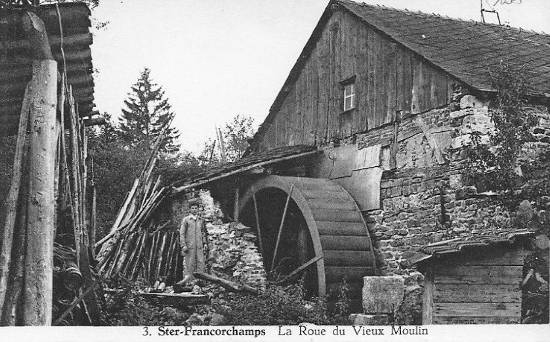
(480, 287)
(389, 78)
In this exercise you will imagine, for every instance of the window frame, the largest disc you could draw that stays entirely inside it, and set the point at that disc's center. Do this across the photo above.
(349, 83)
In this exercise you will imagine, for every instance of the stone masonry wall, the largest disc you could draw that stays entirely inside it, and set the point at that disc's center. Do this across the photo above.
(426, 198)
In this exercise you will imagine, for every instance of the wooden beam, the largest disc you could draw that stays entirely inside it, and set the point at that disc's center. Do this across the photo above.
(300, 269)
(281, 228)
(226, 284)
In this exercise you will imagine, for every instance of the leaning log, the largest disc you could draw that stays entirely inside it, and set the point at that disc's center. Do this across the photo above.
(226, 284)
(10, 206)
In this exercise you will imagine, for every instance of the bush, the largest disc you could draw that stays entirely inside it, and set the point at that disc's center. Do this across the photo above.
(275, 306)
(283, 306)
(128, 308)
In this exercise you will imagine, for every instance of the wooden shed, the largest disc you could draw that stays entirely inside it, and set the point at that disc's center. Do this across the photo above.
(475, 281)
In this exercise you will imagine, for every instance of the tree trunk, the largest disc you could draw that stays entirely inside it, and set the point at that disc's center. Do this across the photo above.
(37, 299)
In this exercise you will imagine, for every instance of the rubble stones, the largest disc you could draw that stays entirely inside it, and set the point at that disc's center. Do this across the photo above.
(233, 251)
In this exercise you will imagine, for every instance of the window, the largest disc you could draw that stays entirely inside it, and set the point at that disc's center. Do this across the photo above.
(349, 96)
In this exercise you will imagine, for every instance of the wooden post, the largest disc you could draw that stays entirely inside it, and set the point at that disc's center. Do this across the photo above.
(427, 302)
(40, 210)
(236, 205)
(38, 282)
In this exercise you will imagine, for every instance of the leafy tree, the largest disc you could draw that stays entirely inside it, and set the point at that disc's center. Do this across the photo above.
(236, 134)
(146, 114)
(115, 167)
(494, 165)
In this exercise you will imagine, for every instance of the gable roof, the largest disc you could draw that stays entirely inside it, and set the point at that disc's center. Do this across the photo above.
(465, 49)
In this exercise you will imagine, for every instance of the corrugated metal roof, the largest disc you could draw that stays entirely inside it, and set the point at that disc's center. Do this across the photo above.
(465, 49)
(16, 63)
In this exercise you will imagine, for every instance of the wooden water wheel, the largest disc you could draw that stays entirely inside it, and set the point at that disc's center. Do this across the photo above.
(310, 223)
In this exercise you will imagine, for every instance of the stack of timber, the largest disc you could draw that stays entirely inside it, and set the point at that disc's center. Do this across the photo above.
(138, 245)
(46, 202)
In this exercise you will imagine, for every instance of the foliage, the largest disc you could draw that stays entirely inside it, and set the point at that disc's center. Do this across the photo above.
(236, 134)
(342, 305)
(276, 306)
(7, 150)
(493, 163)
(13, 3)
(115, 166)
(146, 115)
(127, 308)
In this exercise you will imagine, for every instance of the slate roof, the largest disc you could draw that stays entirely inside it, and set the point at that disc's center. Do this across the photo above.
(459, 245)
(465, 49)
(16, 63)
(245, 164)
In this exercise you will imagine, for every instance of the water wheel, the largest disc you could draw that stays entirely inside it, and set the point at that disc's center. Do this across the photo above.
(309, 223)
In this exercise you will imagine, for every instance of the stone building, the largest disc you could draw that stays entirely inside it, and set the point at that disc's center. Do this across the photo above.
(360, 163)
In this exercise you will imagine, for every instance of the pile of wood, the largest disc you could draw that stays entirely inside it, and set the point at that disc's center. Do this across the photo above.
(139, 245)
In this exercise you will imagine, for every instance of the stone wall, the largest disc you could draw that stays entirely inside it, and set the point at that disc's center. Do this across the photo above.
(426, 198)
(233, 252)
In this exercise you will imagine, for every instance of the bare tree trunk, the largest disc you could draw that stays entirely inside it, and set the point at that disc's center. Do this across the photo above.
(37, 300)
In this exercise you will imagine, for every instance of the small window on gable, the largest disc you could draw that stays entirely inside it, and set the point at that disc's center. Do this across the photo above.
(349, 93)
(349, 96)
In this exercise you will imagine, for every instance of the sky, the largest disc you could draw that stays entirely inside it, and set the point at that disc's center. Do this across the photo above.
(219, 58)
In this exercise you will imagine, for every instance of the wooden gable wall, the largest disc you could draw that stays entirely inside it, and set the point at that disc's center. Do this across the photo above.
(389, 78)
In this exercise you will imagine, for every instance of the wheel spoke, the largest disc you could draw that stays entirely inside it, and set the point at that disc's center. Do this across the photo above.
(281, 228)
(300, 269)
(257, 222)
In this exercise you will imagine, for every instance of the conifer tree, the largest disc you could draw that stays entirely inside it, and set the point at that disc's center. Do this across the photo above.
(146, 114)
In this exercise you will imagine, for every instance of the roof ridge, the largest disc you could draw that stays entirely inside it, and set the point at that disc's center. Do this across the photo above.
(442, 16)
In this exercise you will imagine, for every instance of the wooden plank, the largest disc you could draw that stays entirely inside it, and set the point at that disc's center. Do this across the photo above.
(501, 271)
(427, 299)
(324, 203)
(380, 83)
(346, 258)
(371, 62)
(390, 76)
(341, 228)
(336, 215)
(475, 320)
(345, 243)
(326, 194)
(417, 81)
(479, 275)
(487, 256)
(334, 274)
(477, 309)
(486, 293)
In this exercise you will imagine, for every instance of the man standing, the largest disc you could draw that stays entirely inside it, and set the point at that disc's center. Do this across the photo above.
(192, 243)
